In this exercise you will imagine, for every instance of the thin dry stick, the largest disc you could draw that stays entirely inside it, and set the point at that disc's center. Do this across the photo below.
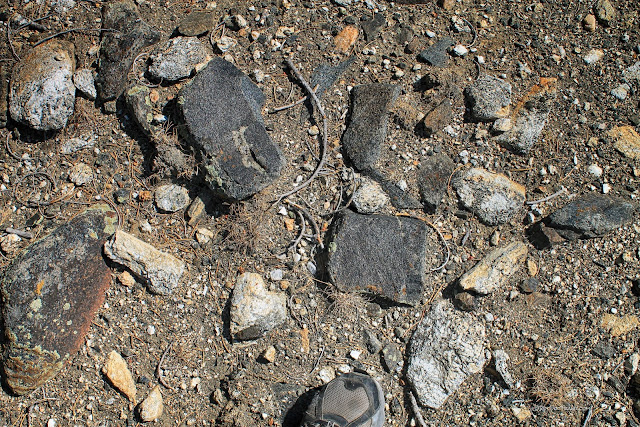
(562, 190)
(293, 104)
(473, 30)
(15, 55)
(313, 222)
(159, 370)
(72, 30)
(416, 410)
(444, 242)
(325, 143)
(303, 228)
(11, 153)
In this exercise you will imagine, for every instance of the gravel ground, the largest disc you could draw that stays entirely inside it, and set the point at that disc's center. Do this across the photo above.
(568, 366)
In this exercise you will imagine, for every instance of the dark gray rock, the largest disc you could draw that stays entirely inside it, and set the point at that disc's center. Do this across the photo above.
(447, 347)
(530, 285)
(489, 98)
(367, 129)
(197, 23)
(41, 92)
(392, 358)
(177, 58)
(592, 215)
(371, 341)
(437, 54)
(221, 109)
(119, 48)
(139, 103)
(433, 179)
(381, 254)
(437, 119)
(324, 76)
(372, 27)
(50, 294)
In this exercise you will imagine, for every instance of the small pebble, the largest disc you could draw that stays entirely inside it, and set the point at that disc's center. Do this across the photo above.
(151, 408)
(460, 50)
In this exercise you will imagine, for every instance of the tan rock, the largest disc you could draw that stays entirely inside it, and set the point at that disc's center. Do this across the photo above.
(346, 38)
(161, 270)
(589, 23)
(446, 4)
(150, 409)
(522, 414)
(494, 269)
(619, 325)
(118, 374)
(126, 279)
(626, 141)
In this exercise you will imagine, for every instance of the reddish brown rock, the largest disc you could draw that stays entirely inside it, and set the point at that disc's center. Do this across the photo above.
(50, 294)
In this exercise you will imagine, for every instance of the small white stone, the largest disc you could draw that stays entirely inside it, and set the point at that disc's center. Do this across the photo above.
(151, 330)
(606, 188)
(326, 374)
(593, 56)
(595, 170)
(355, 354)
(460, 50)
(276, 275)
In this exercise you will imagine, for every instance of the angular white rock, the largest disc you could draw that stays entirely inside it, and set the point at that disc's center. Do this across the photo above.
(447, 347)
(161, 271)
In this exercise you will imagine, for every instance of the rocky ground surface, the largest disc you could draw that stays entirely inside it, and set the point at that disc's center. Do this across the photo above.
(210, 209)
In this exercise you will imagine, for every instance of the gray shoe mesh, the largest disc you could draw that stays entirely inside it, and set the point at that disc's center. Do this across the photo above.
(350, 404)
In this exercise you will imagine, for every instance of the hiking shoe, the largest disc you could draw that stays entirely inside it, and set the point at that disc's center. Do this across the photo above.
(350, 400)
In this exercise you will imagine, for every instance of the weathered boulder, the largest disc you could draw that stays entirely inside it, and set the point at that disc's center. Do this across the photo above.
(161, 271)
(530, 116)
(41, 92)
(493, 197)
(222, 118)
(494, 270)
(50, 294)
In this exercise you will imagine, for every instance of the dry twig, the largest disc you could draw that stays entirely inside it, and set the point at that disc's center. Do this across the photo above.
(72, 30)
(416, 410)
(159, 369)
(325, 143)
(562, 190)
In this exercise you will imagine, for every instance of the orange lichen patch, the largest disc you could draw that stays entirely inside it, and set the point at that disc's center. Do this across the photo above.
(289, 223)
(346, 38)
(154, 96)
(304, 337)
(547, 85)
(619, 325)
(39, 287)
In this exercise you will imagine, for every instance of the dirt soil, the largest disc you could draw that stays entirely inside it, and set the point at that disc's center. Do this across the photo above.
(567, 367)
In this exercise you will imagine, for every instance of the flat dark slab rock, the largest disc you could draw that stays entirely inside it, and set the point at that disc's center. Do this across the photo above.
(221, 109)
(436, 54)
(50, 294)
(119, 48)
(592, 215)
(367, 129)
(381, 254)
(433, 178)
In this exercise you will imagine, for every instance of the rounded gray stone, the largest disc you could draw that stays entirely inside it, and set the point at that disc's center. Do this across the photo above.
(171, 197)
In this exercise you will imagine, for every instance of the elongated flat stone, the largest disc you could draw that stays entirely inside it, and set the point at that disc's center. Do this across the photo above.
(221, 109)
(381, 254)
(160, 270)
(591, 215)
(50, 295)
(120, 47)
(367, 129)
(494, 269)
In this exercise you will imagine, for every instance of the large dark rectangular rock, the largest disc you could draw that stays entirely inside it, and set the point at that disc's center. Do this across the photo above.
(381, 254)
